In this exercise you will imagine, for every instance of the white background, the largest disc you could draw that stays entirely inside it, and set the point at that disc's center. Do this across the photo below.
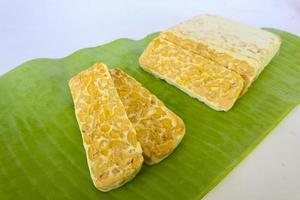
(32, 28)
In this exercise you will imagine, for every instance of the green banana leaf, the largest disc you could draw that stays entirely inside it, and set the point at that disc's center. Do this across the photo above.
(41, 151)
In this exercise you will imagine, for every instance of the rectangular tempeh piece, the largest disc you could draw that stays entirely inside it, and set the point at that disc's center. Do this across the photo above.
(113, 153)
(201, 78)
(239, 47)
(158, 129)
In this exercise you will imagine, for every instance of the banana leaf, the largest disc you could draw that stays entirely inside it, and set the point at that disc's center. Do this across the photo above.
(41, 151)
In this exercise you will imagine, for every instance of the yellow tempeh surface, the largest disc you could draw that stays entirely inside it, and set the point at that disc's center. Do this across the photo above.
(201, 78)
(113, 153)
(158, 129)
(245, 67)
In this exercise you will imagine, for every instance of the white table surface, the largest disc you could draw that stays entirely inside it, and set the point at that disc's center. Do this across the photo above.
(55, 28)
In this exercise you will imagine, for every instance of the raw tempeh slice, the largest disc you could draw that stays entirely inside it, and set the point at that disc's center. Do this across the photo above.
(113, 153)
(158, 129)
(239, 47)
(201, 78)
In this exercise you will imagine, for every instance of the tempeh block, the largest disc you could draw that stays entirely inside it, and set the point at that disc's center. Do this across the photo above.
(158, 129)
(239, 47)
(113, 153)
(201, 78)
